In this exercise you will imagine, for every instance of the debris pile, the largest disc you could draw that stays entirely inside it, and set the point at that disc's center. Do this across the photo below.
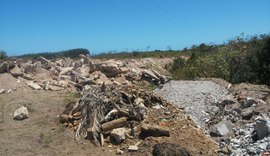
(236, 116)
(245, 114)
(65, 73)
(111, 113)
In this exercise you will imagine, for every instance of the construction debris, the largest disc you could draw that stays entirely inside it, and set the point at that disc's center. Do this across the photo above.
(79, 73)
(238, 118)
(21, 113)
(115, 111)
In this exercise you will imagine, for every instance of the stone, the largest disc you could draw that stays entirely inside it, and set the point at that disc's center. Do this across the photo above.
(223, 129)
(133, 148)
(149, 75)
(109, 68)
(84, 70)
(251, 151)
(16, 71)
(227, 100)
(248, 102)
(247, 113)
(47, 85)
(27, 76)
(33, 85)
(119, 152)
(21, 113)
(64, 71)
(262, 128)
(28, 68)
(55, 88)
(67, 63)
(2, 91)
(118, 135)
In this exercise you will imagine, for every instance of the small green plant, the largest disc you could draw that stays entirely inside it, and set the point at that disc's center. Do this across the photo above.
(61, 128)
(70, 96)
(46, 138)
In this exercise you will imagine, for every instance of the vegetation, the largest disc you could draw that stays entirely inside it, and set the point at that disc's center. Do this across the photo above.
(3, 55)
(140, 54)
(240, 60)
(72, 53)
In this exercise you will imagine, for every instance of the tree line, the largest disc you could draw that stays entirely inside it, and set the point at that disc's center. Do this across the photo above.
(72, 53)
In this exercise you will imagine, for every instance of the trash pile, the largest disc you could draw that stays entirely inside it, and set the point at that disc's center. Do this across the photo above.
(112, 114)
(67, 73)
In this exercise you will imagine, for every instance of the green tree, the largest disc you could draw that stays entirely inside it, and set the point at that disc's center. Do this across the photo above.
(3, 55)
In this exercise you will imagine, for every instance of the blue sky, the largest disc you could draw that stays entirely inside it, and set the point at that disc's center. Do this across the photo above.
(110, 25)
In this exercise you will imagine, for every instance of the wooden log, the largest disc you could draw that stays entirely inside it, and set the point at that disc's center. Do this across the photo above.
(114, 124)
(154, 130)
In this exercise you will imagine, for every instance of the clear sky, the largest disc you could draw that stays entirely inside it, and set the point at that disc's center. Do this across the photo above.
(110, 25)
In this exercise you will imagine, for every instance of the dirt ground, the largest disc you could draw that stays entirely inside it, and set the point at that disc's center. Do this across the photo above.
(42, 133)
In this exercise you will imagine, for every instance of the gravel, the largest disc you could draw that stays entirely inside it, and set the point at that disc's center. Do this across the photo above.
(197, 97)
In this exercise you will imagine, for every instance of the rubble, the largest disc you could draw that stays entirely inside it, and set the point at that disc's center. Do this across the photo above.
(238, 118)
(21, 113)
(34, 85)
(118, 135)
(115, 111)
(82, 71)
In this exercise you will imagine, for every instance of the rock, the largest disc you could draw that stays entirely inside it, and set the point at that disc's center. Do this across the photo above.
(28, 68)
(64, 71)
(166, 149)
(55, 88)
(27, 76)
(251, 151)
(33, 85)
(84, 70)
(150, 76)
(133, 148)
(118, 135)
(16, 71)
(47, 85)
(43, 60)
(213, 132)
(248, 102)
(3, 91)
(119, 152)
(67, 63)
(247, 113)
(262, 128)
(222, 129)
(21, 113)
(227, 100)
(110, 68)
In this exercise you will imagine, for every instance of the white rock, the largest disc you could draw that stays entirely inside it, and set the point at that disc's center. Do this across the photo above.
(33, 85)
(133, 148)
(118, 135)
(223, 129)
(21, 113)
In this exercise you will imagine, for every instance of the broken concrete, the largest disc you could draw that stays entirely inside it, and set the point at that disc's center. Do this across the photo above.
(118, 135)
(21, 113)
